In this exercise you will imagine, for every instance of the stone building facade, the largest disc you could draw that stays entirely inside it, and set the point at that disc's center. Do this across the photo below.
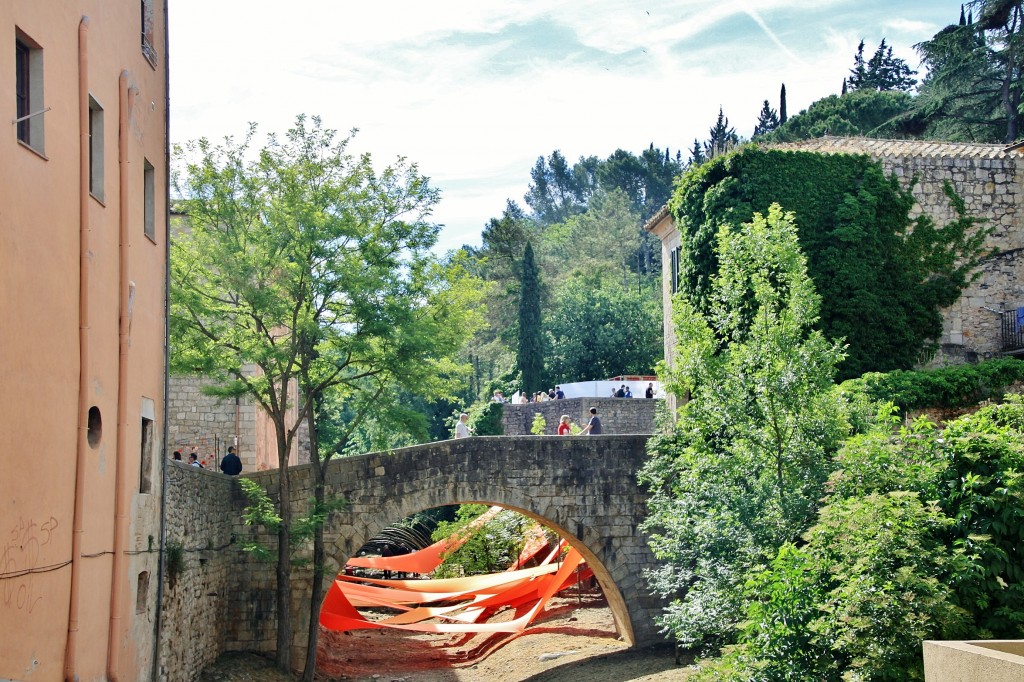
(989, 178)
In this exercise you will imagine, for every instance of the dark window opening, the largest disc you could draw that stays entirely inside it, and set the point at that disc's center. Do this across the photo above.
(149, 199)
(95, 149)
(23, 95)
(148, 49)
(142, 593)
(146, 458)
(95, 427)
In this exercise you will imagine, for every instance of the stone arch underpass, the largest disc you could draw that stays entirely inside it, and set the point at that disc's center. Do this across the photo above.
(585, 488)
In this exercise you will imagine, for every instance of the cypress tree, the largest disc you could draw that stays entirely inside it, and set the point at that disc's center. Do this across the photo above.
(530, 357)
(844, 86)
(782, 105)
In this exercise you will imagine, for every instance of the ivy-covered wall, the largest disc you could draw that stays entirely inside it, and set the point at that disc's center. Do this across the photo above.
(882, 275)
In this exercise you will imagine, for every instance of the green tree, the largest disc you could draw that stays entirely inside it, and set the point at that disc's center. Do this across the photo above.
(865, 112)
(743, 469)
(767, 120)
(975, 76)
(883, 71)
(697, 155)
(530, 354)
(721, 137)
(783, 115)
(307, 264)
(557, 189)
(600, 330)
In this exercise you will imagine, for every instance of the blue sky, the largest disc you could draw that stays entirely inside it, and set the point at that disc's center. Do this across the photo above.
(474, 92)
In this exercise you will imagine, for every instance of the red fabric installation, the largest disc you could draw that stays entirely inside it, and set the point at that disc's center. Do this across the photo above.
(428, 558)
(516, 588)
(458, 602)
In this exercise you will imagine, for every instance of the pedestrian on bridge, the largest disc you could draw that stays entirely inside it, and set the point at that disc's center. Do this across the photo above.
(593, 427)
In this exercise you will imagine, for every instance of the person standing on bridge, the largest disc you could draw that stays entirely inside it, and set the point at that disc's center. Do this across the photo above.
(231, 464)
(462, 426)
(563, 426)
(593, 427)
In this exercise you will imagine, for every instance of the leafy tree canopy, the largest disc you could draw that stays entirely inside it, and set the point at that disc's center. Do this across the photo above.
(600, 330)
(742, 470)
(869, 113)
(975, 76)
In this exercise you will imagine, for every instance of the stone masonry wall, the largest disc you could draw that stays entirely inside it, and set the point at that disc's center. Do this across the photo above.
(212, 424)
(201, 569)
(992, 189)
(209, 423)
(618, 415)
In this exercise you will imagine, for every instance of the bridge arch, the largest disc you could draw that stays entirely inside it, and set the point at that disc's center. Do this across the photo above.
(583, 487)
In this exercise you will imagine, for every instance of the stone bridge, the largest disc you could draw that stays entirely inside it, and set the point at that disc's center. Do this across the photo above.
(583, 487)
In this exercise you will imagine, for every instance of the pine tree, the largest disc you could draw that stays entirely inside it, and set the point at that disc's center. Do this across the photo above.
(782, 105)
(697, 156)
(530, 357)
(884, 71)
(767, 120)
(721, 137)
(844, 87)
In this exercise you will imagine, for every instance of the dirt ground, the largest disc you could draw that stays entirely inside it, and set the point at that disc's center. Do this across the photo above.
(574, 640)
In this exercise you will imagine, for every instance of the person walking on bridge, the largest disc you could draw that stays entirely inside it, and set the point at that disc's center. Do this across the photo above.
(462, 426)
(593, 427)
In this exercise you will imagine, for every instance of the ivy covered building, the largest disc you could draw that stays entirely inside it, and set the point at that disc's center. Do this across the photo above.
(835, 199)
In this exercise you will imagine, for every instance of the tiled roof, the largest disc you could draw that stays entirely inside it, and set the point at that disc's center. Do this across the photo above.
(902, 148)
(656, 218)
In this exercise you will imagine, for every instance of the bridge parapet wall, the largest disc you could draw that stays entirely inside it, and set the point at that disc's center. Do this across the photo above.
(618, 415)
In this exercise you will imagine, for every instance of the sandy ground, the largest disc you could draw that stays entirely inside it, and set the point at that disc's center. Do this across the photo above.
(574, 640)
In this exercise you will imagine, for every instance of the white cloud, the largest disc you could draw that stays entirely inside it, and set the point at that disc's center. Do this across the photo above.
(474, 91)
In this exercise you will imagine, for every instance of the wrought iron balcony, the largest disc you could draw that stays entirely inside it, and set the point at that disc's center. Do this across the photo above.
(1013, 330)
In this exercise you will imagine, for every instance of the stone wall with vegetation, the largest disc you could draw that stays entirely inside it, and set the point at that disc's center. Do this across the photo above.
(201, 569)
(990, 180)
(618, 415)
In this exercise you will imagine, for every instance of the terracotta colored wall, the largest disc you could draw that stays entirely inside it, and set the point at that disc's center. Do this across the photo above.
(39, 344)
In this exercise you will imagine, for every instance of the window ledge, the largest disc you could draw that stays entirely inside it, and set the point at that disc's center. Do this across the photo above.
(32, 149)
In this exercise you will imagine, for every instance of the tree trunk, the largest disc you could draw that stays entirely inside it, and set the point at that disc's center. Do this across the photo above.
(284, 555)
(317, 591)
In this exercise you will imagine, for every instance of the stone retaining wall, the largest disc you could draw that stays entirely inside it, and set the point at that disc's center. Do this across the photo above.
(201, 569)
(618, 415)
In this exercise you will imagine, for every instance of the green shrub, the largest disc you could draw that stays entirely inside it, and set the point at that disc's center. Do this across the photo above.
(956, 386)
(491, 548)
(485, 419)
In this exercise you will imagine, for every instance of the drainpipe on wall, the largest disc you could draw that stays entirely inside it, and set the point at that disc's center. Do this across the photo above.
(84, 255)
(126, 288)
(158, 626)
